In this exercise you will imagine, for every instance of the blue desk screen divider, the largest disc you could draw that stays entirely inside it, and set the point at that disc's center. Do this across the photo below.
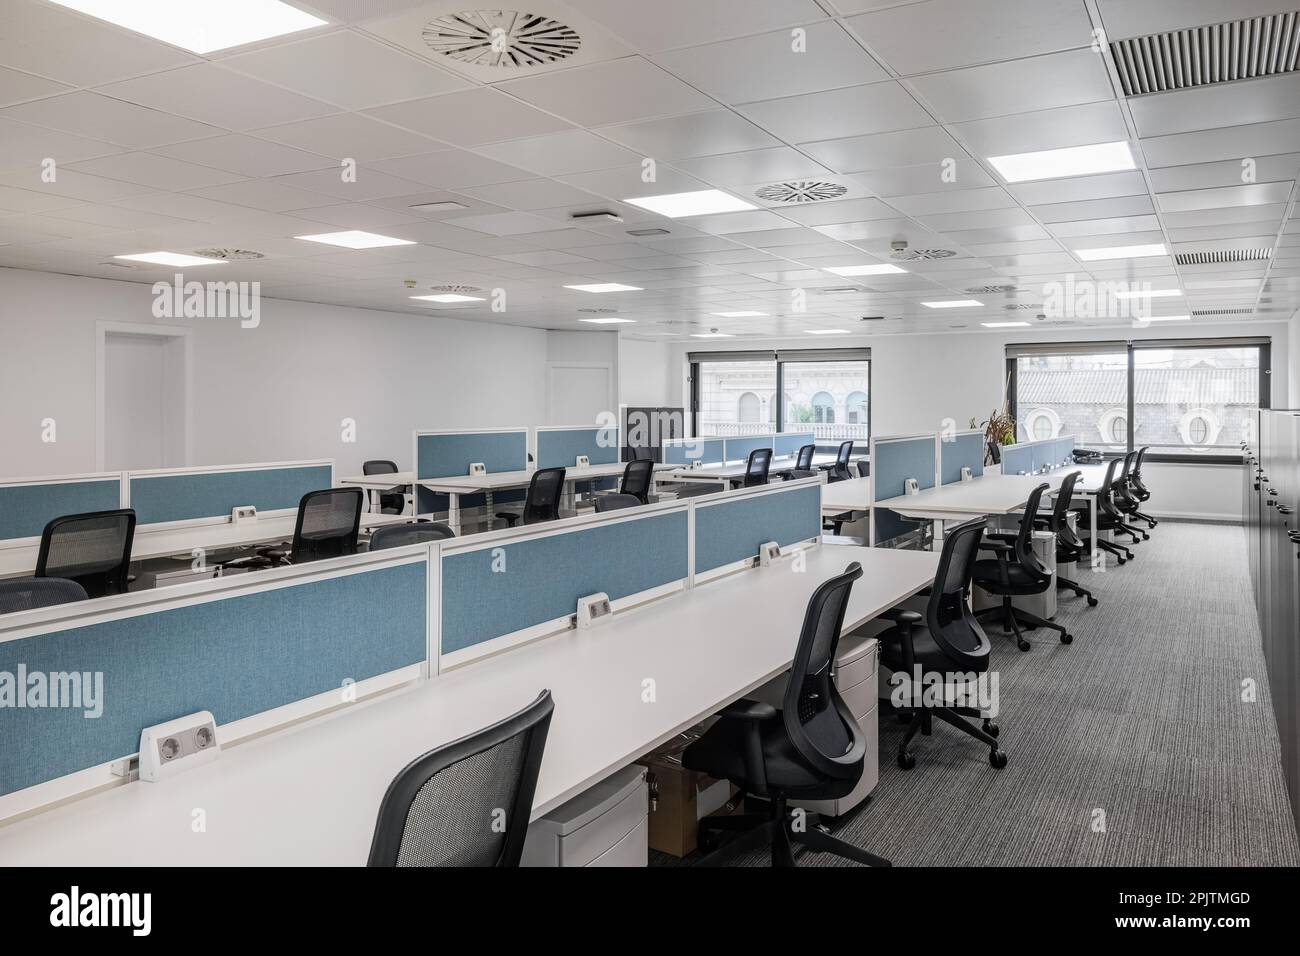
(738, 449)
(963, 451)
(25, 509)
(1064, 449)
(214, 494)
(1017, 459)
(688, 450)
(545, 576)
(1041, 454)
(449, 455)
(895, 461)
(560, 448)
(234, 656)
(732, 528)
(789, 443)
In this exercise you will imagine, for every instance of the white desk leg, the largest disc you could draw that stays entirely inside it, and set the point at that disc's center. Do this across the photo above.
(1097, 554)
(453, 511)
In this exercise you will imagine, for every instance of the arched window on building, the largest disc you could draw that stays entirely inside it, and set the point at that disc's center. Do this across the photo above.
(1042, 423)
(748, 408)
(823, 408)
(1199, 428)
(1114, 427)
(855, 408)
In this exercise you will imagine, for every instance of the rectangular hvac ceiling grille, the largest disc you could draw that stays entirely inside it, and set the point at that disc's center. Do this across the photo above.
(1181, 59)
(1223, 255)
(1208, 312)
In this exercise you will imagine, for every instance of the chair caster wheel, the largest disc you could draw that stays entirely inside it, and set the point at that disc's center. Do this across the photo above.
(991, 728)
(1120, 560)
(906, 761)
(1067, 638)
(997, 759)
(1092, 602)
(1022, 644)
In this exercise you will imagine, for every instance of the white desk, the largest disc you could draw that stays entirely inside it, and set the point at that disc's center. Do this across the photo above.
(735, 471)
(988, 495)
(16, 562)
(309, 795)
(841, 496)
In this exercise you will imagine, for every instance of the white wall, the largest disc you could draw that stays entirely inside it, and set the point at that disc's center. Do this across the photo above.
(918, 381)
(643, 373)
(276, 392)
(1293, 363)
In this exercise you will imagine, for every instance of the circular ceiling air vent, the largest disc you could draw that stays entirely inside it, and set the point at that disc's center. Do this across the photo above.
(228, 254)
(455, 289)
(501, 38)
(911, 255)
(801, 191)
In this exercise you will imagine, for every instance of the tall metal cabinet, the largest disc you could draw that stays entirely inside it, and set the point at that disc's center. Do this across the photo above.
(1271, 506)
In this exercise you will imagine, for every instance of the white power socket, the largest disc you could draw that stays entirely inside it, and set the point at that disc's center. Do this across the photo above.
(583, 462)
(593, 609)
(769, 552)
(477, 468)
(168, 748)
(911, 486)
(966, 473)
(243, 514)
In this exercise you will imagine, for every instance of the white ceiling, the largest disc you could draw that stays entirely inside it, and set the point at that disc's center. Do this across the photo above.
(158, 149)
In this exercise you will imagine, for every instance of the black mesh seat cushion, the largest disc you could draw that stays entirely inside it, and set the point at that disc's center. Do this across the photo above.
(720, 753)
(931, 657)
(988, 575)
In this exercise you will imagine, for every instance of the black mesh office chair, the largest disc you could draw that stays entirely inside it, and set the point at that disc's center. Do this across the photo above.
(756, 468)
(804, 460)
(1015, 570)
(947, 640)
(617, 503)
(392, 501)
(641, 454)
(995, 452)
(1139, 490)
(93, 549)
(1070, 548)
(864, 468)
(1109, 517)
(1126, 501)
(543, 501)
(794, 474)
(26, 594)
(396, 535)
(445, 808)
(637, 479)
(840, 470)
(811, 748)
(328, 525)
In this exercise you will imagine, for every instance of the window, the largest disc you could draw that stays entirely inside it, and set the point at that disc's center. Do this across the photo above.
(1042, 423)
(1185, 399)
(826, 392)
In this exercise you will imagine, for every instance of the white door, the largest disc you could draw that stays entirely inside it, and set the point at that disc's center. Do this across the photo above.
(144, 401)
(577, 394)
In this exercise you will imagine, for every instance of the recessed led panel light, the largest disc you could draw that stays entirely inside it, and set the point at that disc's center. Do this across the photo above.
(827, 331)
(953, 304)
(448, 297)
(1167, 318)
(608, 321)
(1149, 294)
(1005, 325)
(605, 287)
(200, 26)
(172, 259)
(737, 315)
(712, 335)
(356, 239)
(880, 269)
(1121, 252)
(1057, 163)
(703, 202)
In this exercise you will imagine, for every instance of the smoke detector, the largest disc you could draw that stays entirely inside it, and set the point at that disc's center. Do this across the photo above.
(800, 191)
(229, 254)
(504, 39)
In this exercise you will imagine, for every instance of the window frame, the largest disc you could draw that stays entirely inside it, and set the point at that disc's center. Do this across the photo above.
(1131, 347)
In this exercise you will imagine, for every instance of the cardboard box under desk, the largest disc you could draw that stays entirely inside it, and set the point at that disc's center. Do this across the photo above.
(680, 798)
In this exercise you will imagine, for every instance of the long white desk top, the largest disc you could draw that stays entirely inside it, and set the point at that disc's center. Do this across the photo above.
(851, 495)
(988, 495)
(469, 484)
(732, 470)
(310, 794)
(182, 541)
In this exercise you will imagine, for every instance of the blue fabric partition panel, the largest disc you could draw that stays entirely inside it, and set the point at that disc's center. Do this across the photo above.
(790, 444)
(1064, 448)
(235, 657)
(1017, 459)
(159, 498)
(964, 451)
(449, 456)
(561, 448)
(497, 591)
(894, 463)
(25, 510)
(732, 530)
(738, 449)
(1041, 454)
(707, 450)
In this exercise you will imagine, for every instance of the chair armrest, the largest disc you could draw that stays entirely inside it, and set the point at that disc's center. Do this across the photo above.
(902, 615)
(1007, 536)
(998, 546)
(745, 709)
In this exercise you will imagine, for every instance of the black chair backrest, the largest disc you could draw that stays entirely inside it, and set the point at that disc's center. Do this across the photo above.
(641, 454)
(617, 502)
(995, 452)
(1135, 477)
(26, 594)
(760, 460)
(948, 615)
(1024, 546)
(328, 523)
(1059, 521)
(544, 491)
(840, 471)
(396, 535)
(1106, 493)
(93, 549)
(637, 477)
(803, 461)
(818, 722)
(1128, 467)
(864, 468)
(379, 466)
(444, 808)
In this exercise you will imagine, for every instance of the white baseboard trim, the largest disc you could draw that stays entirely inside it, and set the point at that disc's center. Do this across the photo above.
(1201, 516)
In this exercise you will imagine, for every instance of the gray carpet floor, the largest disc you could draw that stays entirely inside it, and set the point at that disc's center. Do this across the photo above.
(1141, 717)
